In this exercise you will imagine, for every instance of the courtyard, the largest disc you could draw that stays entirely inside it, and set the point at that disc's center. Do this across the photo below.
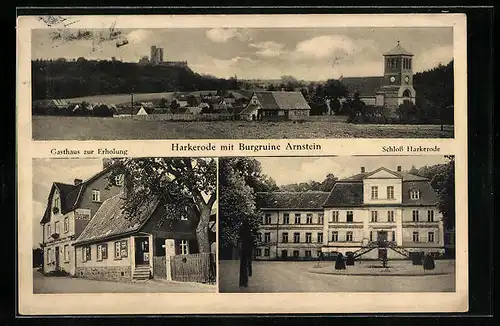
(55, 284)
(308, 276)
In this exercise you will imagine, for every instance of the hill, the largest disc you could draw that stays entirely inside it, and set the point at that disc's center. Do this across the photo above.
(69, 79)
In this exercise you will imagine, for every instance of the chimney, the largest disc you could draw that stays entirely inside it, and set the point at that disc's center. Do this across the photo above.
(399, 168)
(362, 169)
(78, 181)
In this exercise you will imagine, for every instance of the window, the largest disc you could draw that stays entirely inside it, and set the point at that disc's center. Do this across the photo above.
(308, 253)
(184, 247)
(66, 253)
(348, 236)
(390, 216)
(320, 237)
(296, 237)
(259, 237)
(267, 237)
(297, 218)
(118, 252)
(119, 179)
(99, 252)
(318, 253)
(430, 237)
(335, 216)
(258, 252)
(57, 227)
(390, 192)
(286, 218)
(414, 194)
(321, 217)
(309, 218)
(335, 236)
(284, 237)
(49, 230)
(374, 216)
(96, 196)
(371, 235)
(57, 203)
(49, 256)
(430, 216)
(308, 237)
(266, 252)
(87, 254)
(350, 216)
(296, 254)
(409, 63)
(66, 224)
(415, 237)
(393, 235)
(414, 215)
(374, 192)
(267, 219)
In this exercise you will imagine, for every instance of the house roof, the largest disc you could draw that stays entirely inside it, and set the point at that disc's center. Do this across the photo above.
(249, 109)
(400, 174)
(310, 200)
(71, 195)
(365, 86)
(398, 50)
(345, 194)
(112, 220)
(282, 100)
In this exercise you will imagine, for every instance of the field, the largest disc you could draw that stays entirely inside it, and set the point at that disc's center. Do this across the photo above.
(93, 128)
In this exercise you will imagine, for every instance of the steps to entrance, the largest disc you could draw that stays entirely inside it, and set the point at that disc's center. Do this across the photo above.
(141, 273)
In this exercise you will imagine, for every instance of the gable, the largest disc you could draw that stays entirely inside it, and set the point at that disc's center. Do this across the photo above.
(382, 174)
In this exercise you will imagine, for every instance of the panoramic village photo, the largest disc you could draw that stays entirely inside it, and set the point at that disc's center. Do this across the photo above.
(337, 224)
(128, 225)
(242, 83)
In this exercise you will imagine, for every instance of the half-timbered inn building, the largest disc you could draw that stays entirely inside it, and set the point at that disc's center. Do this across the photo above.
(383, 205)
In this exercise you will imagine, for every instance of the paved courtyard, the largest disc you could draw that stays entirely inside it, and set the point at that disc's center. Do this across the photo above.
(52, 284)
(298, 277)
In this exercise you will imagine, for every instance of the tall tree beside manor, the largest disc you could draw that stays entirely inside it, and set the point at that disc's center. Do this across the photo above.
(177, 182)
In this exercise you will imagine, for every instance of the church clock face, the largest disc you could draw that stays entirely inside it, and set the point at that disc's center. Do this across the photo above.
(392, 79)
(407, 79)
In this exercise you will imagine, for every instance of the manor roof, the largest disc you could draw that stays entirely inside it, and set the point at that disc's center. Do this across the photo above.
(309, 200)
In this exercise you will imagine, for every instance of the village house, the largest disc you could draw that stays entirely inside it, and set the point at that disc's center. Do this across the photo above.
(270, 105)
(69, 210)
(390, 90)
(370, 207)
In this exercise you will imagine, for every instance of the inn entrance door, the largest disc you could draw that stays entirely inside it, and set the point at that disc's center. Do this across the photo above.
(142, 251)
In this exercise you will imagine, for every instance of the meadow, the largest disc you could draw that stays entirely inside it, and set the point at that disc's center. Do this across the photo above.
(94, 128)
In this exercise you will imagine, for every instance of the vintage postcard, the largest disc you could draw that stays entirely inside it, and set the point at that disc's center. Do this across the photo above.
(248, 164)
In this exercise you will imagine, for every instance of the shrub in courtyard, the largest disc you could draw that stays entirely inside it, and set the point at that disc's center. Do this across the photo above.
(340, 262)
(349, 259)
(416, 258)
(429, 262)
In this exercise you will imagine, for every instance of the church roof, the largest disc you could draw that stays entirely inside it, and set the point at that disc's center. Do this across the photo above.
(398, 50)
(365, 86)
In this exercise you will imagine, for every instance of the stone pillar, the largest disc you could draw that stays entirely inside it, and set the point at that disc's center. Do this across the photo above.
(440, 235)
(399, 226)
(169, 252)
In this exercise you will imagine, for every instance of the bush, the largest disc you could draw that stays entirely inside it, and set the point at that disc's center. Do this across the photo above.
(429, 262)
(349, 259)
(416, 258)
(340, 262)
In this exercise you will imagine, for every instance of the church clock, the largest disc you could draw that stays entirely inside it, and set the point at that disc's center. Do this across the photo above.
(392, 79)
(407, 79)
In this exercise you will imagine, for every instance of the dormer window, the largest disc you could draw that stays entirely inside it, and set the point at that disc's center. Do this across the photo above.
(414, 194)
(119, 180)
(96, 196)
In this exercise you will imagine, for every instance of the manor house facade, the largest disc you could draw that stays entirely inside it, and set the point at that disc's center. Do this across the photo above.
(392, 206)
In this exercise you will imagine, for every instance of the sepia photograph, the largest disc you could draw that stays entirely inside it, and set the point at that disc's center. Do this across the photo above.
(241, 83)
(127, 225)
(337, 224)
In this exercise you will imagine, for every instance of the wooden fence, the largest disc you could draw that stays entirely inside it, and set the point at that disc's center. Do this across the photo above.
(193, 268)
(160, 266)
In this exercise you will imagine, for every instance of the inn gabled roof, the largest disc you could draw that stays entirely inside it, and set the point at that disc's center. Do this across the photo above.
(365, 86)
(71, 195)
(309, 200)
(111, 220)
(345, 194)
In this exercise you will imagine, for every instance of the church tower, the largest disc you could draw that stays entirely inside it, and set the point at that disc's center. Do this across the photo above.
(398, 77)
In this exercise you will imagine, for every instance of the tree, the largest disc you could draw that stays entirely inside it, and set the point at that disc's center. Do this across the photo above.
(328, 183)
(176, 183)
(445, 184)
(334, 89)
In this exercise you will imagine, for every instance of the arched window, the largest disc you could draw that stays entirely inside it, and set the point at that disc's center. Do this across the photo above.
(407, 93)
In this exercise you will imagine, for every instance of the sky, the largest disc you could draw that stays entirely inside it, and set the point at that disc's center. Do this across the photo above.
(263, 53)
(287, 170)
